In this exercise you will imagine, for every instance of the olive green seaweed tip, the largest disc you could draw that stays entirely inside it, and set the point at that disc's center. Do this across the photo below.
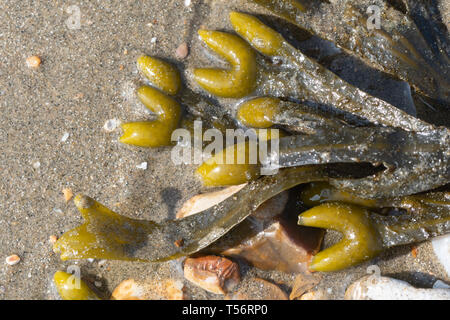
(360, 242)
(204, 34)
(83, 202)
(70, 288)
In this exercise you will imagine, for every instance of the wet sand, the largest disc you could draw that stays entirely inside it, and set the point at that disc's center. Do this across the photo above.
(87, 77)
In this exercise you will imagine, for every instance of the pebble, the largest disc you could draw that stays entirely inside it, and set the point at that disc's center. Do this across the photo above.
(142, 166)
(65, 137)
(187, 3)
(153, 40)
(111, 125)
(384, 288)
(36, 165)
(12, 260)
(441, 247)
(68, 194)
(33, 62)
(53, 239)
(182, 51)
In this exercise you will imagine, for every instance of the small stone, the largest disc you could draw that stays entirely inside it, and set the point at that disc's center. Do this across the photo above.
(102, 263)
(125, 51)
(13, 259)
(142, 166)
(68, 194)
(179, 243)
(212, 273)
(52, 239)
(182, 51)
(111, 125)
(187, 3)
(65, 137)
(414, 252)
(36, 165)
(33, 62)
(153, 40)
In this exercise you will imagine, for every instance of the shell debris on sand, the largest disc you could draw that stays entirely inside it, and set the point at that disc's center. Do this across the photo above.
(68, 194)
(441, 247)
(212, 273)
(65, 137)
(12, 259)
(52, 239)
(142, 166)
(111, 125)
(33, 62)
(384, 288)
(182, 51)
(302, 284)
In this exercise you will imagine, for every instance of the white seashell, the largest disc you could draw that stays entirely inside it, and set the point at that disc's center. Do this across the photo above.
(204, 201)
(384, 288)
(441, 247)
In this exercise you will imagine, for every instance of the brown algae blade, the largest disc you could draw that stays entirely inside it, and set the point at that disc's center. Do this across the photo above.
(108, 235)
(328, 87)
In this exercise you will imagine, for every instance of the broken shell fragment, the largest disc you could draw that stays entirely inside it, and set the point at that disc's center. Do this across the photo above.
(168, 289)
(302, 284)
(384, 288)
(212, 273)
(315, 295)
(205, 201)
(33, 62)
(68, 194)
(12, 260)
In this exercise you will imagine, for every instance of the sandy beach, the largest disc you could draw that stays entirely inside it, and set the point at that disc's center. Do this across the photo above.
(53, 137)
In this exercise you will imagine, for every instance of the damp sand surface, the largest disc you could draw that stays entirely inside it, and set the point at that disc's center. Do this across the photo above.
(52, 138)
